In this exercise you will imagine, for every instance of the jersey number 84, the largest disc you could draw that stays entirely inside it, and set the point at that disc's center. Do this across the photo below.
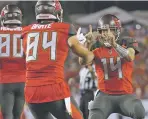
(46, 43)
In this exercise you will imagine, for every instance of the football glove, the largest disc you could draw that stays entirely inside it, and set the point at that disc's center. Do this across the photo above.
(80, 36)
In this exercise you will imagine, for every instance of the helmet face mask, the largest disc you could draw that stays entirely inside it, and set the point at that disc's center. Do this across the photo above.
(11, 15)
(114, 24)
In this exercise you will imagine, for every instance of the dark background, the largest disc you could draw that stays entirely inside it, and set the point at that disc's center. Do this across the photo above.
(73, 7)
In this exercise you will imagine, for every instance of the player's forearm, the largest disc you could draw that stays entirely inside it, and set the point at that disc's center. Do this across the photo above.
(86, 55)
(128, 54)
(83, 61)
(88, 45)
(86, 60)
(93, 75)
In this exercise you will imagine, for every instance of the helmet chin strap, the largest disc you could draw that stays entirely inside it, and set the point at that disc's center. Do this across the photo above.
(118, 34)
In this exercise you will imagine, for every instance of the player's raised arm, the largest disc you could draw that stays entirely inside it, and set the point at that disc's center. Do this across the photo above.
(90, 37)
(131, 47)
(74, 43)
(127, 53)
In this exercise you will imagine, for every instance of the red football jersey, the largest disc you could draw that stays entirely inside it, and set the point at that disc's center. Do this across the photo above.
(114, 73)
(46, 51)
(12, 62)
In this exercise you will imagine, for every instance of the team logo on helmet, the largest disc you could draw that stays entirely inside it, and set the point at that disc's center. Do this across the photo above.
(117, 22)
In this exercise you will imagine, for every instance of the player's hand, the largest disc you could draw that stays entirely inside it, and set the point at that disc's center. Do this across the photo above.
(91, 36)
(110, 37)
(80, 36)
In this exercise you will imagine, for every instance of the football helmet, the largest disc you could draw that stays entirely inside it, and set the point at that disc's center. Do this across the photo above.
(11, 14)
(50, 9)
(113, 22)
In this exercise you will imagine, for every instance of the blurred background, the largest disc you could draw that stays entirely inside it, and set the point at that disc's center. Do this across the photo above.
(134, 18)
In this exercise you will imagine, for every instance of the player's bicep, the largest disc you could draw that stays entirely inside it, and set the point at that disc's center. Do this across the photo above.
(131, 53)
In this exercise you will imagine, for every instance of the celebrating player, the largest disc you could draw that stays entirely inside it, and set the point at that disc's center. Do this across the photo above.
(114, 66)
(46, 45)
(12, 63)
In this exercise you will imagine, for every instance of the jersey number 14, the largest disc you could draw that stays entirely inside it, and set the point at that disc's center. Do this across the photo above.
(112, 67)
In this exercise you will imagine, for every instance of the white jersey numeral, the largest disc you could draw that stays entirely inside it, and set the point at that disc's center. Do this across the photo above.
(17, 53)
(46, 43)
(32, 45)
(51, 43)
(6, 44)
(112, 67)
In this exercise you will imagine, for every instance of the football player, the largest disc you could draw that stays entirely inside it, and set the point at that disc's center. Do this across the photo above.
(12, 63)
(46, 45)
(114, 65)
